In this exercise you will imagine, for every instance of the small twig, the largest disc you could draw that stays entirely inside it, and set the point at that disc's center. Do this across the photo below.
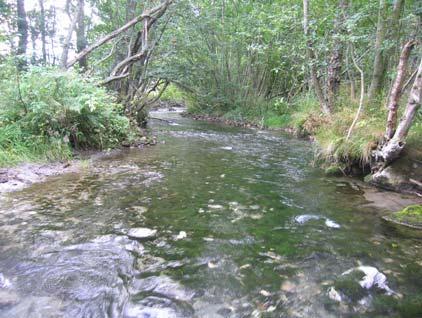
(409, 81)
(362, 95)
(25, 106)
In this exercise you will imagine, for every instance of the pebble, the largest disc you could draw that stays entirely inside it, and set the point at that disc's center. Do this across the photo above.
(4, 282)
(215, 206)
(212, 265)
(265, 293)
(181, 235)
(332, 224)
(333, 294)
(288, 286)
(141, 233)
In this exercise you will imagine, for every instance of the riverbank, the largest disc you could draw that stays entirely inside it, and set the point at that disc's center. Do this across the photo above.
(26, 174)
(402, 176)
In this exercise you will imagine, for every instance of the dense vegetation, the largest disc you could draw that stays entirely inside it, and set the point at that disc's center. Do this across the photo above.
(277, 65)
(46, 111)
(335, 70)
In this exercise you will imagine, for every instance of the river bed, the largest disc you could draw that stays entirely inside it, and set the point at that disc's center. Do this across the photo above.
(243, 226)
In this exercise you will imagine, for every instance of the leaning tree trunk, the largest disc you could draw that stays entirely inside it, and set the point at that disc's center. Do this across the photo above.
(312, 60)
(396, 90)
(22, 27)
(392, 149)
(378, 66)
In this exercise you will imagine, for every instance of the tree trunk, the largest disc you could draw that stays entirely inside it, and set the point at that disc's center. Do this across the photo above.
(392, 149)
(43, 32)
(34, 36)
(80, 34)
(68, 39)
(393, 100)
(311, 56)
(394, 28)
(378, 66)
(334, 66)
(22, 28)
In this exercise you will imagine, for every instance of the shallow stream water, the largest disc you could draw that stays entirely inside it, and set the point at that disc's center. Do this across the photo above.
(246, 227)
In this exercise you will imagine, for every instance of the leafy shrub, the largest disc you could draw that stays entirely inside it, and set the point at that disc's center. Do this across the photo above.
(46, 111)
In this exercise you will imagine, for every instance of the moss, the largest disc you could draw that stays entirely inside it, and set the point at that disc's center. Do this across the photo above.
(349, 286)
(411, 307)
(333, 170)
(410, 215)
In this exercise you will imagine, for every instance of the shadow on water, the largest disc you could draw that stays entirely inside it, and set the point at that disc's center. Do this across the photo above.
(245, 228)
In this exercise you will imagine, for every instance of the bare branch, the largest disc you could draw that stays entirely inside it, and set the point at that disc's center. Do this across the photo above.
(158, 11)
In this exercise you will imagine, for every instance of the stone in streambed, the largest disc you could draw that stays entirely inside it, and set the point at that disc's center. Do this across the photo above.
(356, 284)
(142, 233)
(302, 219)
(4, 282)
(182, 235)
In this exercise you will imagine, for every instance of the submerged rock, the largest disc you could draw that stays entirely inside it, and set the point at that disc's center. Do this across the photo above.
(373, 278)
(182, 235)
(333, 294)
(302, 219)
(141, 233)
(356, 284)
(332, 224)
(215, 206)
(162, 286)
(4, 282)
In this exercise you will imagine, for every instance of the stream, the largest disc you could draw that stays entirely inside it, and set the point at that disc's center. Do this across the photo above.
(245, 227)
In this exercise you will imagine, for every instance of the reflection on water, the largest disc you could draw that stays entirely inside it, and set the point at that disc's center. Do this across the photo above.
(245, 228)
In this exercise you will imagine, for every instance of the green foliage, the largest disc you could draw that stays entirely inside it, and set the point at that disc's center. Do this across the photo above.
(44, 112)
(173, 94)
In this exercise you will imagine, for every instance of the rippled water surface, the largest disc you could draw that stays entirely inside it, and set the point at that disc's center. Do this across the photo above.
(246, 227)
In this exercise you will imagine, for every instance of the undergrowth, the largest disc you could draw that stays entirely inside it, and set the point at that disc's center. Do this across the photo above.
(333, 149)
(45, 112)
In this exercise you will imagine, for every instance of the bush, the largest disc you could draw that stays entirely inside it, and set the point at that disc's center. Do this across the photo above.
(44, 112)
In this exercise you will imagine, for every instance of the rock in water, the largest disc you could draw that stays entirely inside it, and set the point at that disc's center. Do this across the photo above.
(4, 282)
(181, 235)
(356, 284)
(332, 224)
(141, 233)
(306, 217)
(373, 277)
(333, 294)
